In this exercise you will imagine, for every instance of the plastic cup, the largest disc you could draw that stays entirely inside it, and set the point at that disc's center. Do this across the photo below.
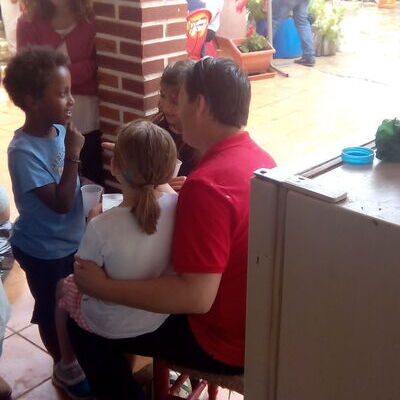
(90, 196)
(177, 168)
(111, 200)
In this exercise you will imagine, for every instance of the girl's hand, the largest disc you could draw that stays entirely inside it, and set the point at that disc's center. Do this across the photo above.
(89, 277)
(73, 141)
(95, 211)
(108, 146)
(177, 183)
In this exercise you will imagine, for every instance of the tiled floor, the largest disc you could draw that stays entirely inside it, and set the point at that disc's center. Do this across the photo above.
(310, 115)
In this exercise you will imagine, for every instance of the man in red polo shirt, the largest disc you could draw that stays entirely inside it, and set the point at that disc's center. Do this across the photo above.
(207, 296)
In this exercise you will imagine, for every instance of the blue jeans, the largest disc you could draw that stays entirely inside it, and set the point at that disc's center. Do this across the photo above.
(281, 10)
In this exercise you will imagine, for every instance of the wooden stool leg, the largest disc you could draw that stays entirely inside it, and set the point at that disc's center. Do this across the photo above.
(212, 391)
(161, 380)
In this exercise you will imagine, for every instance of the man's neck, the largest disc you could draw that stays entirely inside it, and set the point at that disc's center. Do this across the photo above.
(216, 134)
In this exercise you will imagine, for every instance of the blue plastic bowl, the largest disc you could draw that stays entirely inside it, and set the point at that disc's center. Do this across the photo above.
(357, 155)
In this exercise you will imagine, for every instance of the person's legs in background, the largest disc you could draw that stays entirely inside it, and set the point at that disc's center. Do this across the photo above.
(10, 11)
(300, 16)
(280, 11)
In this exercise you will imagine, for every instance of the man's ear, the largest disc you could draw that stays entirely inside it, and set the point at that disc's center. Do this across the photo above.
(202, 106)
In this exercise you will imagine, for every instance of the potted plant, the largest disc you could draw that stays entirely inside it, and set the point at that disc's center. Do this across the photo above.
(253, 53)
(255, 9)
(256, 13)
(326, 26)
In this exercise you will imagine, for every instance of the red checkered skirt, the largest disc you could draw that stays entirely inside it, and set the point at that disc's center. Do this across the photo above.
(71, 299)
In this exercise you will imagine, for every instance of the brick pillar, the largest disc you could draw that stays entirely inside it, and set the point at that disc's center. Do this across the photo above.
(135, 40)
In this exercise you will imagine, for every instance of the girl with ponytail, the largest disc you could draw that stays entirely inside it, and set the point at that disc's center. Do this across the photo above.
(131, 241)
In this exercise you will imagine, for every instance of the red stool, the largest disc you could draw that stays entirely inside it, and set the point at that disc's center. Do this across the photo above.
(162, 390)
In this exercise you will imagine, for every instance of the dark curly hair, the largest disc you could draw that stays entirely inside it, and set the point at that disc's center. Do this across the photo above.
(30, 71)
(44, 9)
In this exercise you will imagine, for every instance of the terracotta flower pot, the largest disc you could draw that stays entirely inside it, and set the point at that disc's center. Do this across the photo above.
(256, 62)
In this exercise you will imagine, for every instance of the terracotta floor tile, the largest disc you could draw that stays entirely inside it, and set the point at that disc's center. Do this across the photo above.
(31, 333)
(21, 301)
(45, 391)
(8, 333)
(16, 275)
(23, 365)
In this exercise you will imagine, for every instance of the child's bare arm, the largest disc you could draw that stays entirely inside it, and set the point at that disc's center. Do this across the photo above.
(60, 197)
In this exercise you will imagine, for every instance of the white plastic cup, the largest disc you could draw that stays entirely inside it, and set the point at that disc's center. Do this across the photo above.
(111, 200)
(90, 196)
(177, 168)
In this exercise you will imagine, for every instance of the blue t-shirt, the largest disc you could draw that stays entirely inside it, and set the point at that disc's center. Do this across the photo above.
(34, 162)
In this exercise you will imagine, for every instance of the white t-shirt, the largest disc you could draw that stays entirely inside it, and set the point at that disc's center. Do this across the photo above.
(114, 240)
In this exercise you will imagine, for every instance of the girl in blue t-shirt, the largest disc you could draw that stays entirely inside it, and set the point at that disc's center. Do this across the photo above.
(43, 160)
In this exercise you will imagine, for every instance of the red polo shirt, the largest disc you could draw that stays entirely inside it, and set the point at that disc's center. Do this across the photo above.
(211, 234)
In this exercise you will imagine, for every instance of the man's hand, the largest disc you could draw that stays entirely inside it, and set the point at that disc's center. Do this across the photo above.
(165, 188)
(177, 183)
(89, 277)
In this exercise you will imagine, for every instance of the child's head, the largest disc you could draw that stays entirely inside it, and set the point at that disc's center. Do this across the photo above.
(38, 81)
(144, 157)
(171, 81)
(45, 8)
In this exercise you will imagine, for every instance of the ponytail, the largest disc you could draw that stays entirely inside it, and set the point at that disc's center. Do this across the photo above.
(146, 155)
(147, 210)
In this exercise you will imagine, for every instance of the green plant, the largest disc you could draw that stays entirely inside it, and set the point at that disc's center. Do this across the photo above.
(255, 42)
(254, 7)
(328, 17)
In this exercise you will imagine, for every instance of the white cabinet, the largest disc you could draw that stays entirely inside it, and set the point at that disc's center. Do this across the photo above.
(323, 318)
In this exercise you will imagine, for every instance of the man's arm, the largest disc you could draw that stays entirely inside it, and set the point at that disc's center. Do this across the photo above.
(178, 294)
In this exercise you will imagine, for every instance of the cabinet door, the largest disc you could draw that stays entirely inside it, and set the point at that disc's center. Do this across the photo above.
(340, 320)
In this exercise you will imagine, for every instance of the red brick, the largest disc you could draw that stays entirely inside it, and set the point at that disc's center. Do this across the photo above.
(177, 58)
(151, 14)
(165, 12)
(109, 112)
(133, 14)
(132, 85)
(106, 45)
(122, 99)
(129, 117)
(131, 49)
(107, 79)
(153, 49)
(108, 128)
(151, 102)
(104, 10)
(141, 87)
(176, 29)
(129, 31)
(132, 67)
